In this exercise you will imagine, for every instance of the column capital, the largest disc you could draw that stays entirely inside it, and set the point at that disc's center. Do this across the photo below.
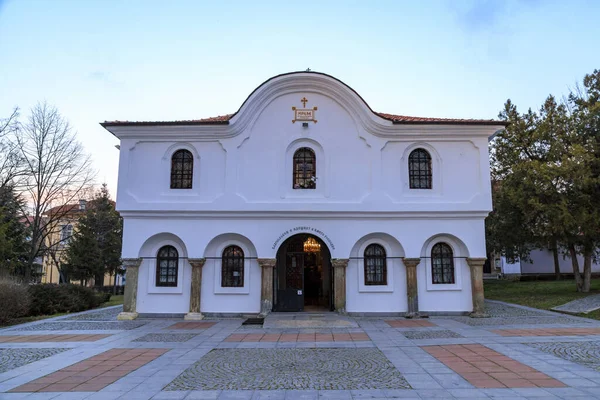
(131, 262)
(197, 262)
(267, 262)
(339, 262)
(411, 262)
(476, 261)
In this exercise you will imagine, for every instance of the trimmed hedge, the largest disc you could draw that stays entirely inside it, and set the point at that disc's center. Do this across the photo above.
(49, 298)
(14, 299)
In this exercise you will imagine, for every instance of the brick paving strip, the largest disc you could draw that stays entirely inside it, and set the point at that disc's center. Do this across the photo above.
(548, 332)
(50, 338)
(298, 337)
(93, 374)
(191, 325)
(409, 323)
(483, 367)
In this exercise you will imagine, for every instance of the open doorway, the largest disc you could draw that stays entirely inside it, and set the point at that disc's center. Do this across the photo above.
(303, 277)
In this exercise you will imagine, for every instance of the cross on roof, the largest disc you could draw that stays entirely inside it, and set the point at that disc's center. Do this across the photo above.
(304, 101)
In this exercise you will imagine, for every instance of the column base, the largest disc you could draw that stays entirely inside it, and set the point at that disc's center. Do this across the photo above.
(479, 315)
(265, 308)
(413, 315)
(127, 316)
(193, 316)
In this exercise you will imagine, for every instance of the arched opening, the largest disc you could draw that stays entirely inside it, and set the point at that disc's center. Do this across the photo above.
(303, 277)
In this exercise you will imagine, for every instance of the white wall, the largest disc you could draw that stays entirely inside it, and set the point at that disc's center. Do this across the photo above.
(542, 262)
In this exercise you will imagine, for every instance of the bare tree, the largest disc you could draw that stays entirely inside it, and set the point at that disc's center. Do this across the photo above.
(58, 173)
(12, 169)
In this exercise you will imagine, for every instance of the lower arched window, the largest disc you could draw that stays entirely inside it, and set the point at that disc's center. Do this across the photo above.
(232, 267)
(375, 265)
(442, 263)
(167, 264)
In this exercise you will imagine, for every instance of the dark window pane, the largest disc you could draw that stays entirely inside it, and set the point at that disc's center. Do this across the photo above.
(167, 263)
(442, 264)
(305, 169)
(375, 265)
(232, 267)
(182, 168)
(419, 169)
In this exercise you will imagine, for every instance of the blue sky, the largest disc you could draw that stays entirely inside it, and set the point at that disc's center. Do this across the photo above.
(166, 60)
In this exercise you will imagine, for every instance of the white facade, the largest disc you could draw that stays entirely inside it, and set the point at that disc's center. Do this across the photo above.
(243, 194)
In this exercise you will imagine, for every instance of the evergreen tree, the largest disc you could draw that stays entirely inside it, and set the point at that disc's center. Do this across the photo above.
(13, 232)
(96, 245)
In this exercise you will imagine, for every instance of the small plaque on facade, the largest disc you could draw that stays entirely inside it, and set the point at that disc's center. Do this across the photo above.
(304, 114)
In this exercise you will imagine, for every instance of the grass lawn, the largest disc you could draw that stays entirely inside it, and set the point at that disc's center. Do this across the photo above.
(114, 301)
(539, 294)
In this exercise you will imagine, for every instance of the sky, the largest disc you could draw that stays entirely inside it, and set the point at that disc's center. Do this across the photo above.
(169, 60)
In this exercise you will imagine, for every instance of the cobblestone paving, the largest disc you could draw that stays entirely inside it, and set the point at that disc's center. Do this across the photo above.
(584, 353)
(585, 305)
(440, 334)
(166, 337)
(526, 320)
(504, 310)
(83, 326)
(102, 315)
(272, 369)
(14, 358)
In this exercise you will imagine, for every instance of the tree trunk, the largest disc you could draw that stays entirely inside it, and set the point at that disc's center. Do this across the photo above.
(556, 260)
(587, 269)
(115, 283)
(575, 263)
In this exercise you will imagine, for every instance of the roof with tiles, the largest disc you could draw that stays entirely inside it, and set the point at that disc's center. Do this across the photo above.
(395, 119)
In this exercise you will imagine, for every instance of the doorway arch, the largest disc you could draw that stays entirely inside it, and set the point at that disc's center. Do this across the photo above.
(303, 276)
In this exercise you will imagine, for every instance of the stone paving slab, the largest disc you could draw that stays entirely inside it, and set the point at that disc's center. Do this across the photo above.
(166, 337)
(50, 338)
(298, 337)
(548, 332)
(93, 374)
(269, 369)
(430, 334)
(409, 323)
(14, 358)
(580, 306)
(486, 368)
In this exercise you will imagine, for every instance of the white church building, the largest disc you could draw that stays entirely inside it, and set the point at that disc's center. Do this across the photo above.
(305, 199)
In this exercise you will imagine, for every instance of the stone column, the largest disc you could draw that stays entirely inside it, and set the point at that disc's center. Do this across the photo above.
(339, 284)
(196, 289)
(266, 287)
(412, 291)
(476, 266)
(132, 269)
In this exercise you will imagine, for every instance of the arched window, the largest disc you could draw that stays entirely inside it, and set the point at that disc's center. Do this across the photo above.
(305, 169)
(232, 267)
(442, 263)
(182, 169)
(167, 262)
(419, 169)
(375, 265)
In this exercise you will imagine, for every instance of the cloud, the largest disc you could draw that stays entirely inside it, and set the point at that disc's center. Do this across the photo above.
(487, 15)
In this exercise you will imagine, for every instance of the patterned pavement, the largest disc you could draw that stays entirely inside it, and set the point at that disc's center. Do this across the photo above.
(518, 353)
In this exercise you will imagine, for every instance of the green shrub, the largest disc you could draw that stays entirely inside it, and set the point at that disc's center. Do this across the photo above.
(14, 299)
(105, 297)
(47, 299)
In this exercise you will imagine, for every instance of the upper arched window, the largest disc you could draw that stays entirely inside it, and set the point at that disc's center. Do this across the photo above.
(167, 263)
(419, 169)
(182, 169)
(232, 267)
(442, 263)
(305, 169)
(375, 265)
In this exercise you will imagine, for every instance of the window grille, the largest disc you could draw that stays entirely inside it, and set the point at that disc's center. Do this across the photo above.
(182, 170)
(375, 265)
(442, 264)
(232, 267)
(167, 264)
(305, 169)
(419, 169)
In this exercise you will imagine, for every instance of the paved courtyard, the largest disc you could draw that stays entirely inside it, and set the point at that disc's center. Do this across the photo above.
(517, 353)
